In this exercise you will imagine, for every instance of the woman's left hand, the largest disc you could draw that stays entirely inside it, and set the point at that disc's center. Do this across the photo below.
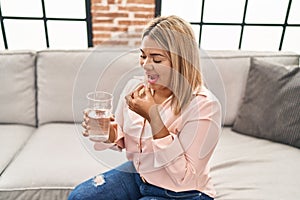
(141, 101)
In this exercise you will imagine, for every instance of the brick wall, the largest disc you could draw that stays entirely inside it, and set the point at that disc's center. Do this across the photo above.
(120, 22)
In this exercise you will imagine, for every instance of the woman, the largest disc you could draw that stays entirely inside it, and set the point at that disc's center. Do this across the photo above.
(169, 125)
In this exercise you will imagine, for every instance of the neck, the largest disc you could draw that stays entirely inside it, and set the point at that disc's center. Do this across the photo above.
(161, 95)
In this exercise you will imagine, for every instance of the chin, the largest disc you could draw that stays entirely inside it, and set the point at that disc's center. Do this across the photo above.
(156, 86)
(152, 86)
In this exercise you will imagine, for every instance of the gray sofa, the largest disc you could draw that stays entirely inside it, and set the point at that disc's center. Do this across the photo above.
(43, 155)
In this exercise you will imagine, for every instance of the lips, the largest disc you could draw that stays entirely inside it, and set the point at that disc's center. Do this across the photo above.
(152, 78)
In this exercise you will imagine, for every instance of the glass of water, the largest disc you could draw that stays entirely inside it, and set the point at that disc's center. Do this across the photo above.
(99, 112)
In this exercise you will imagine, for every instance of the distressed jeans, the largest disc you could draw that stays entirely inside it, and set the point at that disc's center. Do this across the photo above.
(123, 183)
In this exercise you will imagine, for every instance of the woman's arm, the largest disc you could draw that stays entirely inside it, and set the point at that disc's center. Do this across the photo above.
(186, 154)
(159, 130)
(116, 135)
(144, 104)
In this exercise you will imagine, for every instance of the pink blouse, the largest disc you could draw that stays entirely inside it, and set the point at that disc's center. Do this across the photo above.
(178, 162)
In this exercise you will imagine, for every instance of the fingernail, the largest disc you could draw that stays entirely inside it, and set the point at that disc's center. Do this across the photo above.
(85, 134)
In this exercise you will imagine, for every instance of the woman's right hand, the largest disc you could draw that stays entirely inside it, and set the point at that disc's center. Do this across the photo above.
(92, 124)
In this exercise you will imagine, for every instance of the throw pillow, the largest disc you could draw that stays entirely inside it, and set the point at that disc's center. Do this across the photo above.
(271, 105)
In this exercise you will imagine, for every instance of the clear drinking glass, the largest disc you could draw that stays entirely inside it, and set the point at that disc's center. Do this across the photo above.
(99, 112)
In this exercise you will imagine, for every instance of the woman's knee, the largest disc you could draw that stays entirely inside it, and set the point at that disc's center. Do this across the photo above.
(87, 190)
(74, 195)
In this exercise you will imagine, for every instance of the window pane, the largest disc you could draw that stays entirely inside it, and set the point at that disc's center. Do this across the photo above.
(65, 8)
(294, 15)
(266, 11)
(1, 40)
(220, 37)
(291, 39)
(196, 29)
(25, 34)
(261, 38)
(67, 34)
(190, 10)
(24, 8)
(224, 11)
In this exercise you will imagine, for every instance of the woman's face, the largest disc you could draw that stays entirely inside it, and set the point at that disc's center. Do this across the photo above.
(156, 64)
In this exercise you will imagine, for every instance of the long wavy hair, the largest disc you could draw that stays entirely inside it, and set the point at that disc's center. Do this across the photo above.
(176, 36)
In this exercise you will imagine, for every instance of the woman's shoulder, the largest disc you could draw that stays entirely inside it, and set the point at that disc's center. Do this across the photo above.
(204, 99)
(204, 95)
(203, 105)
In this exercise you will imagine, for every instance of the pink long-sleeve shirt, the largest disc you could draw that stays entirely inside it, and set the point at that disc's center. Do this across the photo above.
(177, 162)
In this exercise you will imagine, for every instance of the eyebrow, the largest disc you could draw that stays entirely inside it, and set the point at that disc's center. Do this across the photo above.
(154, 54)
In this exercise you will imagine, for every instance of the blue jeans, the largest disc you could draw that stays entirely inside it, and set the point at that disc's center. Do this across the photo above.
(123, 183)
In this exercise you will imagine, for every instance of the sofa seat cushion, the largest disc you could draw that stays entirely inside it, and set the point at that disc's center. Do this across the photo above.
(244, 167)
(49, 166)
(12, 139)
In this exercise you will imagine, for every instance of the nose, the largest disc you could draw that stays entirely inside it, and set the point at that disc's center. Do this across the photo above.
(146, 63)
(148, 67)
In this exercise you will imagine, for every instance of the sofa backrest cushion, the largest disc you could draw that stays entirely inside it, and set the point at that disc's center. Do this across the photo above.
(233, 68)
(56, 71)
(271, 105)
(65, 77)
(17, 82)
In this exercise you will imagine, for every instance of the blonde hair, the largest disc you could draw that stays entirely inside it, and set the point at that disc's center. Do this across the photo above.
(176, 36)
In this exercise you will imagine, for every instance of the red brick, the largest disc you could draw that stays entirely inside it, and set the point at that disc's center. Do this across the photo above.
(111, 1)
(101, 35)
(97, 42)
(101, 21)
(96, 1)
(110, 28)
(144, 15)
(110, 42)
(141, 1)
(110, 14)
(139, 30)
(95, 8)
(136, 9)
(137, 43)
(131, 22)
(131, 35)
